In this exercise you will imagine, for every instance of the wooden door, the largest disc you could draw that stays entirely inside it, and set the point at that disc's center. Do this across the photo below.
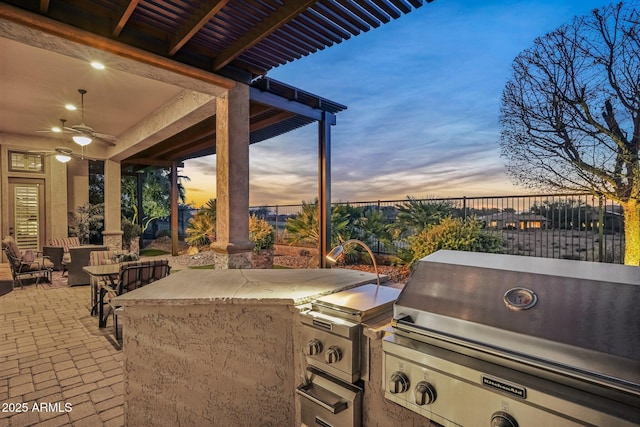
(26, 212)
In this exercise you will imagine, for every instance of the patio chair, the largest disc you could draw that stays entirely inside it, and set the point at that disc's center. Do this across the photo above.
(134, 275)
(58, 251)
(26, 264)
(102, 258)
(79, 258)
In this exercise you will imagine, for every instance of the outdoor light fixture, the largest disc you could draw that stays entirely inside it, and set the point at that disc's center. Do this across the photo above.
(98, 65)
(335, 253)
(63, 158)
(81, 140)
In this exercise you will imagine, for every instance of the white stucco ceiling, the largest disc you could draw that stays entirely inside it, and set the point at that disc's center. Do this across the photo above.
(36, 83)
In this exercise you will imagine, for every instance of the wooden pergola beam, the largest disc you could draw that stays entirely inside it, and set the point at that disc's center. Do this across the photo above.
(44, 6)
(286, 13)
(67, 32)
(193, 25)
(283, 115)
(122, 16)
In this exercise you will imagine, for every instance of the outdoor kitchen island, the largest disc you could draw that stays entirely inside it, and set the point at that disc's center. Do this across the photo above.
(218, 347)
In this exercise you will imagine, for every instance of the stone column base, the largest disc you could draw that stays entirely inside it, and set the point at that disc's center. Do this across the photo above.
(112, 239)
(232, 255)
(232, 261)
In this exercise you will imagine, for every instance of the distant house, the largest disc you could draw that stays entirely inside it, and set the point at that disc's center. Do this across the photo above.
(514, 221)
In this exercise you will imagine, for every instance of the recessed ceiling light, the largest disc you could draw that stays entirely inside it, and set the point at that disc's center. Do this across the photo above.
(70, 107)
(56, 129)
(97, 65)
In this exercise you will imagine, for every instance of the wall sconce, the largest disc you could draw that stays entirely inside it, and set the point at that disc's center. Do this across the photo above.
(335, 253)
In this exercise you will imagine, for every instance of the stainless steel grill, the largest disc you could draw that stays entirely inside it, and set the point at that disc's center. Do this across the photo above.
(516, 341)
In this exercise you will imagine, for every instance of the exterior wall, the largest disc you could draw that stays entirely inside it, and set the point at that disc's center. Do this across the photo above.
(54, 176)
(112, 234)
(56, 194)
(224, 364)
(78, 184)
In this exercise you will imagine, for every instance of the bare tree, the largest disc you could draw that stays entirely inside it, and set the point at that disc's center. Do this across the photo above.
(570, 113)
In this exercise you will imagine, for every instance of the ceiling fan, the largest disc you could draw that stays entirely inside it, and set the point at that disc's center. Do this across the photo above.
(62, 154)
(83, 134)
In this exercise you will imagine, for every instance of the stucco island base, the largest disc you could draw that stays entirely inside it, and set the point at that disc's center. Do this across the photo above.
(217, 347)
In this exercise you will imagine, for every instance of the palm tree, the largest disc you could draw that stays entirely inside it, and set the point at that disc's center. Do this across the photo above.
(202, 227)
(415, 216)
(305, 227)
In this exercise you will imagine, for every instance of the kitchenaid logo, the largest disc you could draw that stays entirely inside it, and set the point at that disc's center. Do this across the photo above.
(516, 390)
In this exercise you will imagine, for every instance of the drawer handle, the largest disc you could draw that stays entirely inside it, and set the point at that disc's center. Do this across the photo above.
(334, 408)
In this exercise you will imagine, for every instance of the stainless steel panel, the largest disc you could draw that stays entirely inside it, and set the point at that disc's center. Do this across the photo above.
(469, 391)
(584, 305)
(348, 368)
(358, 304)
(328, 402)
(527, 352)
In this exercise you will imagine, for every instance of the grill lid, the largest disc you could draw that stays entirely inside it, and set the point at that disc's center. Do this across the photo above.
(560, 314)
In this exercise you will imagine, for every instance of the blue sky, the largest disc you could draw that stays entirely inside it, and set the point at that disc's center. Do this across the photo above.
(423, 96)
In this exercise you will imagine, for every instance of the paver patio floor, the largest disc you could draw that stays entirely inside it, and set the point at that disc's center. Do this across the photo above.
(57, 367)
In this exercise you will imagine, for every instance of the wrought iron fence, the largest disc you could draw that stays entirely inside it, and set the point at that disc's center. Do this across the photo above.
(567, 226)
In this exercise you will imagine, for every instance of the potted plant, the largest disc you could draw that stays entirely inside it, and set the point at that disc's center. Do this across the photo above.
(87, 222)
(263, 237)
(130, 236)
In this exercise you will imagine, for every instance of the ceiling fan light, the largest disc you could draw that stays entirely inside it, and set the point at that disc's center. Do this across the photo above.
(81, 140)
(63, 158)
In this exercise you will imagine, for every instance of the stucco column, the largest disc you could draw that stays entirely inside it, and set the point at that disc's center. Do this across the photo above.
(77, 184)
(232, 246)
(112, 234)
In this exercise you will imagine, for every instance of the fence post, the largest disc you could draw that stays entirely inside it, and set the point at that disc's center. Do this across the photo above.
(277, 230)
(377, 237)
(601, 230)
(464, 208)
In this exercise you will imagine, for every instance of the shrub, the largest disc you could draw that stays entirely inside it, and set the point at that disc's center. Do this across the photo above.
(129, 232)
(454, 234)
(201, 230)
(261, 233)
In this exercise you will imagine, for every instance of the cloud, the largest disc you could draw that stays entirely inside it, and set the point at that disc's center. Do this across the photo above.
(423, 96)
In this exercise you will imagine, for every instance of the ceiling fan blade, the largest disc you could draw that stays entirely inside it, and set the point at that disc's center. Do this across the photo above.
(71, 130)
(55, 133)
(105, 139)
(105, 136)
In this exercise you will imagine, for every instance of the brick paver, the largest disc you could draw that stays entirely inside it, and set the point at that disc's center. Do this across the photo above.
(57, 368)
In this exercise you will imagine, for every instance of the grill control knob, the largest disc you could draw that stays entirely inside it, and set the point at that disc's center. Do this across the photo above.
(314, 347)
(425, 393)
(398, 383)
(333, 354)
(502, 419)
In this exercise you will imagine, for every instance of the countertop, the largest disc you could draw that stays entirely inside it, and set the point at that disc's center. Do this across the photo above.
(286, 286)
